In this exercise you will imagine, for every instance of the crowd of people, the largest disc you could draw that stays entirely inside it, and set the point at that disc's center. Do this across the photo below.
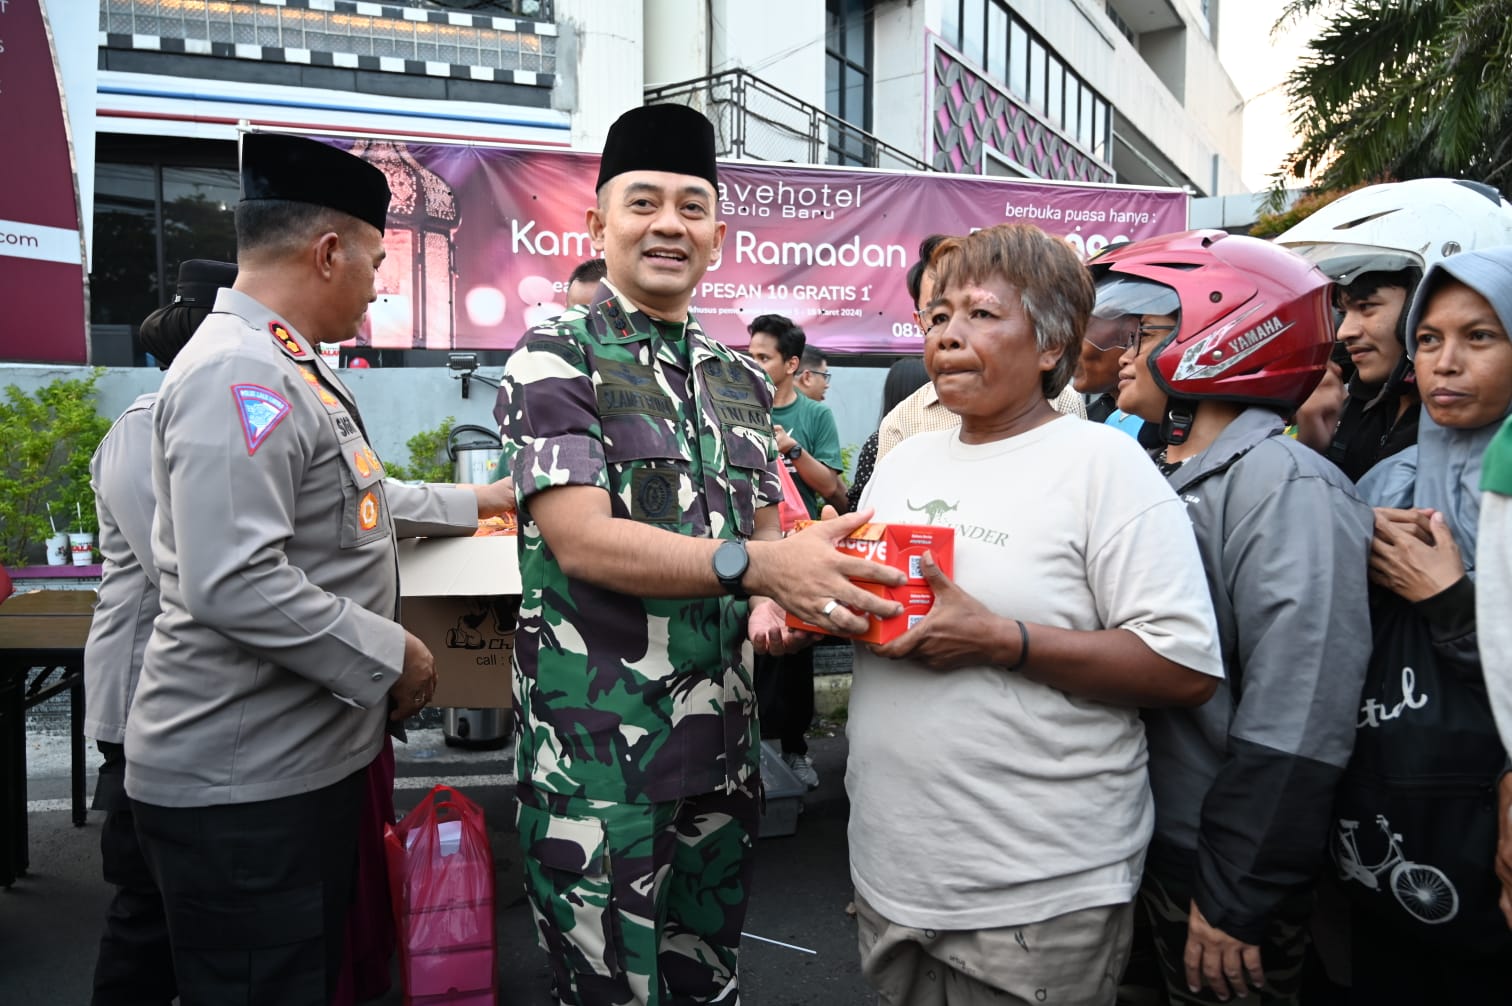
(1202, 711)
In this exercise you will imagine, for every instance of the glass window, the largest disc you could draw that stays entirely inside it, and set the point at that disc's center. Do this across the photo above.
(973, 24)
(855, 96)
(847, 79)
(1055, 80)
(856, 30)
(1073, 105)
(997, 44)
(1104, 147)
(1085, 124)
(124, 287)
(1037, 76)
(950, 23)
(1018, 60)
(197, 215)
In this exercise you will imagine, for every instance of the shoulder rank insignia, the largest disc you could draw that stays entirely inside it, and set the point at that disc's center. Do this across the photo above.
(286, 339)
(329, 400)
(261, 410)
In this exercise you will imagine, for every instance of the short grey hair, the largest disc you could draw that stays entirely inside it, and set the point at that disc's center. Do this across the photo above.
(1053, 285)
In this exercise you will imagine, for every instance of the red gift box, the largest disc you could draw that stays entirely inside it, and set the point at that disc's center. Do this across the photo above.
(900, 547)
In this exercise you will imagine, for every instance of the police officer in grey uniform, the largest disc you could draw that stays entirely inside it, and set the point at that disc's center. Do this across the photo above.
(134, 965)
(276, 659)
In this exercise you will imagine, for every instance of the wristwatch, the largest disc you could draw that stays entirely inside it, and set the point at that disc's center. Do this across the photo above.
(792, 452)
(730, 564)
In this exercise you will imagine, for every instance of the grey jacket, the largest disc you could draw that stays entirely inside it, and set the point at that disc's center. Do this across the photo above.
(120, 473)
(1244, 784)
(268, 669)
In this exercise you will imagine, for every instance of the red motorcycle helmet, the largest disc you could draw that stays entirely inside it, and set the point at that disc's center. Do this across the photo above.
(1254, 322)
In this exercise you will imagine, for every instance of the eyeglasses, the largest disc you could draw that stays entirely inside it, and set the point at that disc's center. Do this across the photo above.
(1139, 335)
(823, 375)
(1130, 338)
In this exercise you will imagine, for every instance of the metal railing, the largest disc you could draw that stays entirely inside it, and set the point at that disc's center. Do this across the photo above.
(755, 120)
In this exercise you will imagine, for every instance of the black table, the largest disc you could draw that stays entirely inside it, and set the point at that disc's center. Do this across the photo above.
(42, 637)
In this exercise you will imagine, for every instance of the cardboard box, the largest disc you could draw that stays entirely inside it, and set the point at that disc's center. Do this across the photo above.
(901, 547)
(460, 596)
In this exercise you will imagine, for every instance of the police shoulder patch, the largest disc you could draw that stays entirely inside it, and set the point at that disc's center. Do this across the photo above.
(260, 410)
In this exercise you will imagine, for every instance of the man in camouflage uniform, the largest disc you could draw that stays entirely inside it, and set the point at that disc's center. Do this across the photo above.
(644, 462)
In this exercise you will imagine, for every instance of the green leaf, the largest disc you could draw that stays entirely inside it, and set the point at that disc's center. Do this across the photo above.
(50, 436)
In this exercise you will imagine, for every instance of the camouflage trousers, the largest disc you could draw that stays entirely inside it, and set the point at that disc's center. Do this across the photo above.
(640, 904)
(1167, 905)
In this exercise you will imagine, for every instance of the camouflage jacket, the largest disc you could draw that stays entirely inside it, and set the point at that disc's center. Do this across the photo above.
(625, 698)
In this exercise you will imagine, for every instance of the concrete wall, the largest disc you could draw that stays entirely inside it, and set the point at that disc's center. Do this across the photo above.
(1165, 53)
(1209, 122)
(677, 41)
(900, 112)
(606, 74)
(780, 41)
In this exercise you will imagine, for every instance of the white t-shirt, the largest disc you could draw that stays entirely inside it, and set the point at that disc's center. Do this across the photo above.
(979, 798)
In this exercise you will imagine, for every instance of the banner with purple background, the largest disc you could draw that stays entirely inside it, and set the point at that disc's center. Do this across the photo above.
(481, 241)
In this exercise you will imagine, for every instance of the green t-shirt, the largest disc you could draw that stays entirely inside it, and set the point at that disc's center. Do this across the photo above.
(812, 424)
(1496, 469)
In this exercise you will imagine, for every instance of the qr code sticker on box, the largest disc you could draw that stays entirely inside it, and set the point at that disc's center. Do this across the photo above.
(915, 620)
(915, 572)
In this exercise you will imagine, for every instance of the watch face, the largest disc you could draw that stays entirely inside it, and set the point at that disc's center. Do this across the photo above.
(730, 561)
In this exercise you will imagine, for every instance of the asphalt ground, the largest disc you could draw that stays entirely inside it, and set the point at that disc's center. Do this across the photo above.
(800, 945)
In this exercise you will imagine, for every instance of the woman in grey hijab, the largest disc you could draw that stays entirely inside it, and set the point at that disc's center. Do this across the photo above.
(1417, 815)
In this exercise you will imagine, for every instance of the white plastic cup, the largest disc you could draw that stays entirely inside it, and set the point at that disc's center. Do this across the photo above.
(57, 549)
(81, 543)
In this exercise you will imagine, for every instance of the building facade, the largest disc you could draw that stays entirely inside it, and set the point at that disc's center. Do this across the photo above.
(1069, 90)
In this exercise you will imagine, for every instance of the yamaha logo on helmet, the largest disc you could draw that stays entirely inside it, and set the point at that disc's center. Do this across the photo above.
(1208, 357)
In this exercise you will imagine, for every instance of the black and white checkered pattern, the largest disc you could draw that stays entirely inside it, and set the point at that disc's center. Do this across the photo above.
(353, 61)
(458, 18)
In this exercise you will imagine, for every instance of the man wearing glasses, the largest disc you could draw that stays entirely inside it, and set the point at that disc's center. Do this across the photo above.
(809, 445)
(813, 374)
(1097, 368)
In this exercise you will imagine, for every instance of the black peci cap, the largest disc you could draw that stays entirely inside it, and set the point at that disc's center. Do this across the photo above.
(301, 170)
(199, 279)
(672, 138)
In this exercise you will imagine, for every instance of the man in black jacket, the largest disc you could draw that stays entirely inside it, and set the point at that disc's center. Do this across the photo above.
(1380, 414)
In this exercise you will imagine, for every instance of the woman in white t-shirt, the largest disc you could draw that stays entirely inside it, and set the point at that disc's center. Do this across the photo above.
(999, 803)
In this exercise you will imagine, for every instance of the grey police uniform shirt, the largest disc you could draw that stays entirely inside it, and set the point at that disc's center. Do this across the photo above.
(120, 473)
(121, 477)
(268, 670)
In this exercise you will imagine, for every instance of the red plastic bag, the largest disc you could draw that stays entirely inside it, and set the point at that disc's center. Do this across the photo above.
(442, 881)
(792, 508)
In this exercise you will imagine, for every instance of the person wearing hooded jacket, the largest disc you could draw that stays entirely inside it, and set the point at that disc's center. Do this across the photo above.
(1428, 759)
(1234, 334)
(1376, 243)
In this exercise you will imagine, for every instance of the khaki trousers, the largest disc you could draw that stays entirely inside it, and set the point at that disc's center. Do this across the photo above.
(1071, 960)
